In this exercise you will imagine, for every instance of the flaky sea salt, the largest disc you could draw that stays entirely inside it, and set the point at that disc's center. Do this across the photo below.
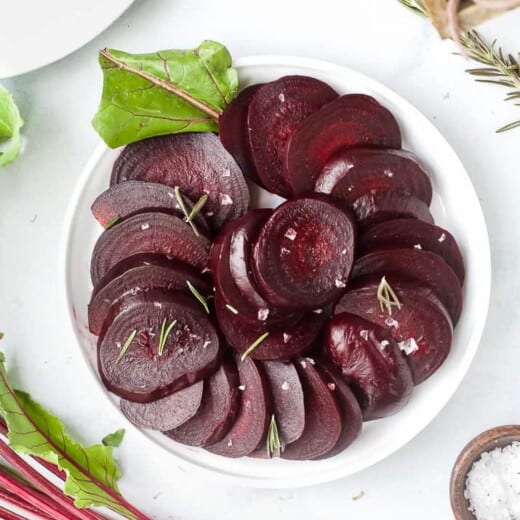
(225, 200)
(145, 226)
(290, 233)
(442, 238)
(408, 346)
(417, 246)
(285, 385)
(263, 314)
(493, 484)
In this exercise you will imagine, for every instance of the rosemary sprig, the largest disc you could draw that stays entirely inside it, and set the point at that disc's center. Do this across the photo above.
(126, 346)
(274, 444)
(163, 337)
(387, 297)
(254, 345)
(198, 296)
(197, 207)
(184, 209)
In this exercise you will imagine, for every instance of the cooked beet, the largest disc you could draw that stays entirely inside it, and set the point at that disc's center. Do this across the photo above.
(253, 416)
(196, 163)
(166, 413)
(230, 265)
(234, 133)
(372, 208)
(349, 121)
(303, 255)
(283, 342)
(413, 233)
(351, 415)
(422, 326)
(275, 112)
(351, 173)
(159, 273)
(288, 404)
(322, 416)
(191, 350)
(217, 412)
(371, 363)
(426, 268)
(129, 198)
(148, 233)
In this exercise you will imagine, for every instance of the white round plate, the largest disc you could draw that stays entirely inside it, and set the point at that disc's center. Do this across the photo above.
(35, 33)
(455, 207)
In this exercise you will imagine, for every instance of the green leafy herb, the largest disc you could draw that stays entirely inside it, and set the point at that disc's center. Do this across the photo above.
(184, 209)
(197, 295)
(10, 125)
(165, 332)
(231, 308)
(253, 345)
(387, 297)
(91, 473)
(114, 439)
(416, 6)
(164, 92)
(197, 207)
(114, 220)
(274, 444)
(126, 346)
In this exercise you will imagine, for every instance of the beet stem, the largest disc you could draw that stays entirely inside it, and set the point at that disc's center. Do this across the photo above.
(16, 501)
(9, 515)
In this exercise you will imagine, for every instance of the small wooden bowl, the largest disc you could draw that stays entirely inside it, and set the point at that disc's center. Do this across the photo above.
(489, 440)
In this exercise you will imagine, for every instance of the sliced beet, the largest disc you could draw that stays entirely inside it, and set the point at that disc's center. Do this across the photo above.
(129, 198)
(217, 412)
(161, 274)
(426, 268)
(288, 404)
(351, 415)
(293, 338)
(349, 121)
(253, 416)
(322, 416)
(191, 351)
(231, 268)
(195, 162)
(412, 233)
(351, 173)
(303, 255)
(148, 233)
(372, 208)
(371, 363)
(422, 326)
(166, 413)
(234, 133)
(275, 112)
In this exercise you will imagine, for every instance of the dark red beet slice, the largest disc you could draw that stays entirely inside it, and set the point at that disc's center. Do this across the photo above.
(191, 352)
(253, 416)
(303, 255)
(129, 198)
(166, 413)
(371, 363)
(322, 416)
(230, 265)
(234, 134)
(413, 233)
(148, 233)
(283, 342)
(416, 265)
(197, 163)
(288, 404)
(422, 327)
(161, 274)
(349, 174)
(351, 415)
(217, 412)
(275, 112)
(349, 121)
(373, 208)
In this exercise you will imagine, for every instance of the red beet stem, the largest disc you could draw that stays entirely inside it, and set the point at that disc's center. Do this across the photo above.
(22, 505)
(9, 515)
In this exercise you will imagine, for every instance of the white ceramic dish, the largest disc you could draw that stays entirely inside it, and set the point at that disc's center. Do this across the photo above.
(36, 33)
(455, 207)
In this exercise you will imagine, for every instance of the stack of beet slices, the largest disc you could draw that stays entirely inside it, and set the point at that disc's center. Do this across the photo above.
(261, 332)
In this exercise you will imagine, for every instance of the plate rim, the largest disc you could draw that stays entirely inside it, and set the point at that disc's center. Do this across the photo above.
(331, 474)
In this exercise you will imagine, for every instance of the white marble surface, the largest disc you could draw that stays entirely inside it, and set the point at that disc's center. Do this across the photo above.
(377, 37)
